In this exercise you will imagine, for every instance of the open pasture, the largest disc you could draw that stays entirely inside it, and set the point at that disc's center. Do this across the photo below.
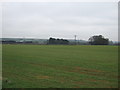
(59, 66)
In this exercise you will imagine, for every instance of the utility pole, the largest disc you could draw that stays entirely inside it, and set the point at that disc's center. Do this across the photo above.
(23, 40)
(75, 38)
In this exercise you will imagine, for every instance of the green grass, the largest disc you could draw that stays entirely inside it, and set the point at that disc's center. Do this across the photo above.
(60, 66)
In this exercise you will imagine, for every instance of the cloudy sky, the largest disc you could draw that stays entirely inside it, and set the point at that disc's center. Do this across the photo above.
(60, 20)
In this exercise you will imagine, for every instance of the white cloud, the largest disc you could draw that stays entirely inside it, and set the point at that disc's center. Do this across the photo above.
(0, 20)
(59, 0)
(60, 20)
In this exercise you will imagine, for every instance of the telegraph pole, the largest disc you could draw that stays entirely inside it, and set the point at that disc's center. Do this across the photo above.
(75, 38)
(23, 40)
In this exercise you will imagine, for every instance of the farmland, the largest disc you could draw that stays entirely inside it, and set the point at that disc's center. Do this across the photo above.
(60, 66)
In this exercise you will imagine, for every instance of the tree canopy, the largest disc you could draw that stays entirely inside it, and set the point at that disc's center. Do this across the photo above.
(57, 41)
(98, 40)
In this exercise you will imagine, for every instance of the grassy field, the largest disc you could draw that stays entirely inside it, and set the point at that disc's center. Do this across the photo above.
(59, 66)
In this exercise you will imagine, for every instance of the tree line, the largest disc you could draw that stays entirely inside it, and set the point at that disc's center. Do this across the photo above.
(94, 40)
(58, 41)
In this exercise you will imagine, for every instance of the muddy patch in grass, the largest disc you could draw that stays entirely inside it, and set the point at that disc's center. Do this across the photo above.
(87, 70)
(43, 77)
(94, 72)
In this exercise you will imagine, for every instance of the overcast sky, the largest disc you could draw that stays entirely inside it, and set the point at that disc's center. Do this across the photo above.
(60, 20)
